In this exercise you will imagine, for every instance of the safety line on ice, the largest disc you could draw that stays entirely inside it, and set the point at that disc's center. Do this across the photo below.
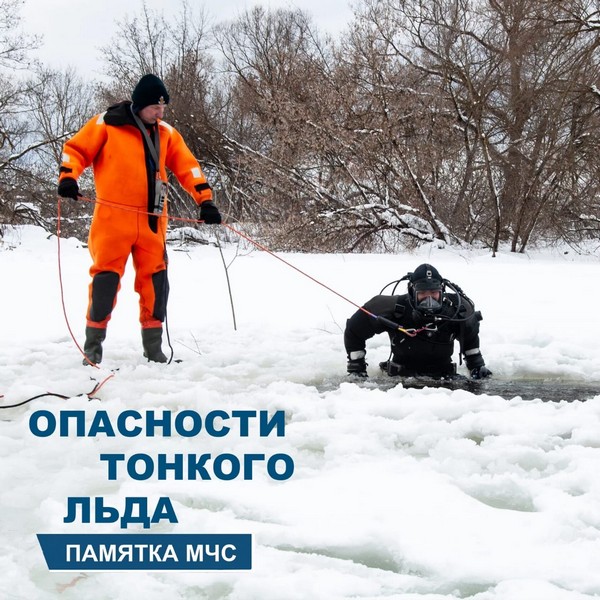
(90, 395)
(60, 281)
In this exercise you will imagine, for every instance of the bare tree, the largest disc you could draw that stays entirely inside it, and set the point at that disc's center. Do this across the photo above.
(281, 109)
(338, 142)
(16, 140)
(518, 73)
(395, 134)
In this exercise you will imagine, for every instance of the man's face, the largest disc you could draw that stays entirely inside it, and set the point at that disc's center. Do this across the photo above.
(435, 294)
(150, 114)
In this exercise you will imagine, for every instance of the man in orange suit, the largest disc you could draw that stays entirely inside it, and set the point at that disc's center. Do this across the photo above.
(130, 149)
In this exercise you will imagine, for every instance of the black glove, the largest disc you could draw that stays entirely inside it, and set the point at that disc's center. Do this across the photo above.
(480, 372)
(357, 367)
(68, 188)
(209, 213)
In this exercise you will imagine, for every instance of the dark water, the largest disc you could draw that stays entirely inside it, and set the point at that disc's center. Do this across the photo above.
(548, 390)
(543, 389)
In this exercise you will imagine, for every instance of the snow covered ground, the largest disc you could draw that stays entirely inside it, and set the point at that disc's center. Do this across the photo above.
(397, 493)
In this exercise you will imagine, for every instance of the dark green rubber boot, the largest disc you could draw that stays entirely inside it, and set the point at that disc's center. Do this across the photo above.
(152, 342)
(94, 336)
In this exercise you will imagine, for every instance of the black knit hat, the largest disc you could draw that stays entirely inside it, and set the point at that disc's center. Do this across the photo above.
(426, 277)
(149, 90)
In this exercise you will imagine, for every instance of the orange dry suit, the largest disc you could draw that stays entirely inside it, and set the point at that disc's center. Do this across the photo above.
(126, 180)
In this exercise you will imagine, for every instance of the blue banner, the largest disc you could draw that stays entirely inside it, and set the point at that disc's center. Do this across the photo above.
(147, 552)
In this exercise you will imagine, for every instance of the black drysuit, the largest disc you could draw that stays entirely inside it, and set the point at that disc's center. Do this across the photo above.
(430, 351)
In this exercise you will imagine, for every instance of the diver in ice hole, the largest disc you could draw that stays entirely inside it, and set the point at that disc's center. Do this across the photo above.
(423, 325)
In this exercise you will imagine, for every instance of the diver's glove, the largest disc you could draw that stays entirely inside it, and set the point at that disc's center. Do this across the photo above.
(480, 372)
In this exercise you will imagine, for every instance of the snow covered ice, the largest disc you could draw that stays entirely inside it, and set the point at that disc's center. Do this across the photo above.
(397, 493)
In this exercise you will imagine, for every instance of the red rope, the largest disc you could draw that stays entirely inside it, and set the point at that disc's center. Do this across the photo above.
(62, 290)
(99, 385)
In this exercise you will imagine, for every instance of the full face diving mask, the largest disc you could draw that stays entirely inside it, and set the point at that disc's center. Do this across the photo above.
(429, 305)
